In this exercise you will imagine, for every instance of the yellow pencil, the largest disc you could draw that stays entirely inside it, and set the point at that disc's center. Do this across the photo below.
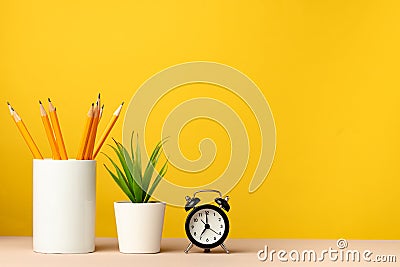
(101, 112)
(11, 109)
(49, 132)
(26, 135)
(86, 133)
(93, 132)
(98, 102)
(107, 130)
(57, 131)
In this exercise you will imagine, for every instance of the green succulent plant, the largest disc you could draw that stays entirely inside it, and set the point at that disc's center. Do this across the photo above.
(129, 177)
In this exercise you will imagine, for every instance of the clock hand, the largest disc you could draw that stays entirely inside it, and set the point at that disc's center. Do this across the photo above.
(213, 231)
(206, 217)
(203, 232)
(202, 221)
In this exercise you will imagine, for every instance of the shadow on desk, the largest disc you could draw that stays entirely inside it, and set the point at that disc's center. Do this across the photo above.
(170, 245)
(178, 245)
(106, 245)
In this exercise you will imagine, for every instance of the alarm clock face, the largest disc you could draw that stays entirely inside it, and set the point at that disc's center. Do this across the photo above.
(207, 226)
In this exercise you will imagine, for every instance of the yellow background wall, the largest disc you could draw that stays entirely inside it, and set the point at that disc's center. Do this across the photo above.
(329, 70)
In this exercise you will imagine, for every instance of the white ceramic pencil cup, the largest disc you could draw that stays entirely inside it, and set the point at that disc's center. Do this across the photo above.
(64, 205)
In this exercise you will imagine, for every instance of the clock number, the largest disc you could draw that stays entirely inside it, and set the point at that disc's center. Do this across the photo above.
(207, 240)
(214, 213)
(192, 226)
(194, 233)
(222, 226)
(195, 220)
(215, 238)
(219, 219)
(207, 212)
(200, 214)
(219, 233)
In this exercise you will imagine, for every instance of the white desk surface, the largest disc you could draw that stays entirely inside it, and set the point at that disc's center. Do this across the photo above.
(17, 251)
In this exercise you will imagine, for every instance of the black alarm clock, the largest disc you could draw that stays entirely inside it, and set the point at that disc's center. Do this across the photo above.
(207, 226)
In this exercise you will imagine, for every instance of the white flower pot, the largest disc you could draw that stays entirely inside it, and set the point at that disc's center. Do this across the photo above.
(139, 226)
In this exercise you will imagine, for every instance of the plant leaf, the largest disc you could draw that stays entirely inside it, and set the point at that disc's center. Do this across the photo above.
(133, 182)
(121, 184)
(137, 173)
(124, 180)
(156, 181)
(128, 159)
(117, 169)
(133, 154)
(126, 155)
(129, 177)
(148, 173)
(138, 156)
(124, 164)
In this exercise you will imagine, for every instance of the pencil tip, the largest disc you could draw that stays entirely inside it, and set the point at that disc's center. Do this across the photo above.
(122, 103)
(8, 103)
(92, 104)
(102, 106)
(98, 96)
(40, 102)
(12, 109)
(49, 99)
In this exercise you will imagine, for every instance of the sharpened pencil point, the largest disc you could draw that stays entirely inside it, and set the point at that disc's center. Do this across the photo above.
(122, 103)
(49, 99)
(10, 108)
(92, 104)
(98, 96)
(40, 102)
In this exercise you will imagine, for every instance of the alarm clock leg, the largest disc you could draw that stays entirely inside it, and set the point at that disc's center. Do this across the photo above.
(188, 247)
(224, 248)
